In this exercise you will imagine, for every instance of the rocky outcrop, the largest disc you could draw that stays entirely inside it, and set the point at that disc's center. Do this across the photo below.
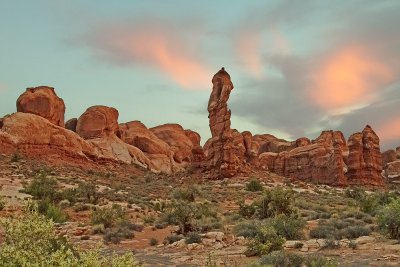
(44, 102)
(321, 161)
(391, 164)
(223, 158)
(97, 121)
(54, 142)
(159, 152)
(71, 124)
(99, 126)
(327, 159)
(365, 159)
(181, 142)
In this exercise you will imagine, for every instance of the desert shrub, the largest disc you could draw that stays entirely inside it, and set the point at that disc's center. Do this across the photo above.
(16, 157)
(254, 185)
(322, 232)
(331, 243)
(107, 216)
(51, 211)
(187, 194)
(247, 211)
(98, 229)
(265, 241)
(246, 229)
(192, 237)
(278, 200)
(153, 242)
(356, 193)
(389, 219)
(352, 232)
(319, 261)
(282, 259)
(115, 235)
(187, 215)
(42, 187)
(172, 239)
(2, 203)
(31, 227)
(81, 207)
(288, 259)
(369, 204)
(290, 227)
(206, 224)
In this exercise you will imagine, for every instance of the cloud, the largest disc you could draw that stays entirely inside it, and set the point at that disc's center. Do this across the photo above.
(348, 79)
(340, 72)
(155, 44)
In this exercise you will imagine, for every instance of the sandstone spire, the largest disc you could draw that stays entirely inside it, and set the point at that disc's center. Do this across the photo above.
(222, 159)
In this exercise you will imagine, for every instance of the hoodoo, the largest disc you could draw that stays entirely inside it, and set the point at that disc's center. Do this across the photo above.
(222, 159)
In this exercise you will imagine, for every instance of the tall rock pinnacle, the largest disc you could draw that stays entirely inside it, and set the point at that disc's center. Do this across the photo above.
(222, 159)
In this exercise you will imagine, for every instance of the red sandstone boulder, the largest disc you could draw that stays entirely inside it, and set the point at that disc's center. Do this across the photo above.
(175, 136)
(35, 135)
(136, 133)
(44, 102)
(97, 121)
(159, 152)
(365, 159)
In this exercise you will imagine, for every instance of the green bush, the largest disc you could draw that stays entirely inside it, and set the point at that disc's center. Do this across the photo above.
(187, 194)
(389, 219)
(188, 215)
(54, 213)
(115, 235)
(291, 227)
(192, 237)
(282, 259)
(246, 229)
(265, 241)
(278, 200)
(288, 259)
(42, 187)
(30, 240)
(254, 186)
(356, 193)
(107, 216)
(2, 203)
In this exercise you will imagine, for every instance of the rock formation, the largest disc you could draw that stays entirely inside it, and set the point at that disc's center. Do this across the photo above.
(223, 160)
(327, 159)
(365, 159)
(97, 121)
(71, 124)
(44, 102)
(181, 142)
(159, 153)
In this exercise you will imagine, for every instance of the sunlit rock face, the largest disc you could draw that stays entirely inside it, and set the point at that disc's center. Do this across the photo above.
(44, 102)
(224, 158)
(365, 159)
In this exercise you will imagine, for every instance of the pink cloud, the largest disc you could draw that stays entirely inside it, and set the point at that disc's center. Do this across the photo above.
(349, 78)
(157, 46)
(390, 129)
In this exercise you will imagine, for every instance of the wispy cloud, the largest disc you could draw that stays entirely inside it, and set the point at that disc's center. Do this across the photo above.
(348, 79)
(155, 44)
(339, 72)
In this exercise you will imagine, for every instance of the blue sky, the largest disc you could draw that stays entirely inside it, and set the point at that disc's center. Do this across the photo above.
(298, 67)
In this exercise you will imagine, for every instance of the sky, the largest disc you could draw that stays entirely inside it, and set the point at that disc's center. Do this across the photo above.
(298, 67)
